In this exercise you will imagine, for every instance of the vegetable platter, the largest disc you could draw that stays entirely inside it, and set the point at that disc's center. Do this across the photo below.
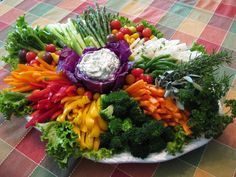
(103, 87)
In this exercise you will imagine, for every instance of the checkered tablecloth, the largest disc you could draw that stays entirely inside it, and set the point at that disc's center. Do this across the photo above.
(209, 22)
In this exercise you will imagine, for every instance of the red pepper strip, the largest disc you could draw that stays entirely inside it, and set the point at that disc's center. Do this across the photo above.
(43, 117)
(38, 95)
(45, 104)
(71, 90)
(40, 85)
(61, 82)
(59, 95)
(56, 114)
(35, 113)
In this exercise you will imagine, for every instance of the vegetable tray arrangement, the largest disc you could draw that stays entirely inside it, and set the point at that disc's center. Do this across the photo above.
(100, 86)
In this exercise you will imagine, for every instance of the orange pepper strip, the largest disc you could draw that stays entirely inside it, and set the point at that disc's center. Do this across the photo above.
(23, 89)
(46, 65)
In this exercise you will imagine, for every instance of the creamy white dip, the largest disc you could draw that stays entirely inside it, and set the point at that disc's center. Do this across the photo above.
(99, 65)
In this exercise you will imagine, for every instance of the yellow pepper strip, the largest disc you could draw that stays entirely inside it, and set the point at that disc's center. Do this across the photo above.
(95, 131)
(55, 57)
(82, 140)
(71, 106)
(89, 141)
(94, 110)
(70, 117)
(101, 123)
(77, 131)
(96, 144)
(70, 98)
(78, 119)
(75, 111)
(60, 118)
(84, 128)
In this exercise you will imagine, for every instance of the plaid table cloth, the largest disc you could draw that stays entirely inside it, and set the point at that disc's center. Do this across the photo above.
(209, 22)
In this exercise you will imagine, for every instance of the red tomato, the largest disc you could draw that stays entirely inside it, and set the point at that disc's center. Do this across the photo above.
(30, 56)
(137, 72)
(50, 48)
(58, 52)
(126, 31)
(140, 28)
(89, 94)
(142, 76)
(149, 79)
(34, 62)
(120, 36)
(115, 24)
(147, 32)
(130, 79)
(146, 78)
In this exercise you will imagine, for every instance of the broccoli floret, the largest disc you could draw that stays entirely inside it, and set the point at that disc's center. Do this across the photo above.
(113, 98)
(137, 116)
(117, 145)
(115, 126)
(147, 138)
(179, 141)
(129, 128)
(153, 128)
(135, 135)
(107, 113)
(168, 134)
(105, 139)
(139, 150)
(121, 103)
(126, 125)
(120, 111)
(157, 145)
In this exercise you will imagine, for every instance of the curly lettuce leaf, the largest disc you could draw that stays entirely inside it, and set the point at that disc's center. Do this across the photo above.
(97, 155)
(12, 61)
(14, 103)
(62, 141)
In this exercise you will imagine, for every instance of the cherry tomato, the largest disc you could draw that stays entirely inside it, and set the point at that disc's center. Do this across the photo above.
(140, 28)
(149, 79)
(115, 24)
(35, 61)
(114, 31)
(130, 79)
(146, 78)
(50, 48)
(58, 52)
(89, 94)
(137, 72)
(30, 56)
(120, 36)
(96, 96)
(142, 76)
(126, 31)
(80, 90)
(147, 32)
